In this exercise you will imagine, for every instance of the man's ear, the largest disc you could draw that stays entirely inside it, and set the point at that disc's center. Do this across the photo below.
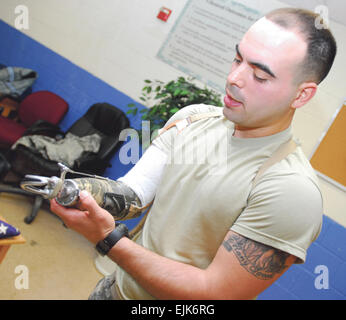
(306, 92)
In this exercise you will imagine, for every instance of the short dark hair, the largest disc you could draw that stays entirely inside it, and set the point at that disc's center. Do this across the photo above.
(321, 43)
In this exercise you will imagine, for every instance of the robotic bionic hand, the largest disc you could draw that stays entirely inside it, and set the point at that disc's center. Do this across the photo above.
(123, 198)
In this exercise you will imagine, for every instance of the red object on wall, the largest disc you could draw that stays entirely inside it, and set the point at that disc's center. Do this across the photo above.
(164, 14)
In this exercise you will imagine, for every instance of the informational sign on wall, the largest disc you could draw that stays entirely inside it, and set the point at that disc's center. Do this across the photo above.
(202, 42)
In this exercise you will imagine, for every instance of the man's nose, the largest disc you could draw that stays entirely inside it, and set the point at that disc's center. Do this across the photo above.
(237, 77)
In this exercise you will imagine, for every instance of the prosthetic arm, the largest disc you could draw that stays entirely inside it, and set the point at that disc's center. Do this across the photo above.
(125, 198)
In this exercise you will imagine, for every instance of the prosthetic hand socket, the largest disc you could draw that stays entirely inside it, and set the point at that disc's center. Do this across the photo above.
(114, 196)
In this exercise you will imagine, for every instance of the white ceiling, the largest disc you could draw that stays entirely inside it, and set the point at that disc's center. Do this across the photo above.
(336, 8)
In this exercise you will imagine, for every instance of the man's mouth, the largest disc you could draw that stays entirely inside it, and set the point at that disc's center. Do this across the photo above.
(230, 102)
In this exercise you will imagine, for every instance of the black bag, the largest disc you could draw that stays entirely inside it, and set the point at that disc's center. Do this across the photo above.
(25, 161)
(4, 166)
(102, 118)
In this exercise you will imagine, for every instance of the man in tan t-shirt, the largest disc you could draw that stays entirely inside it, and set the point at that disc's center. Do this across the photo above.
(210, 235)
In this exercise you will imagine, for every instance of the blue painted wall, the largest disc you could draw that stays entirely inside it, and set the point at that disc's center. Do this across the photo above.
(57, 74)
(81, 89)
(78, 87)
(302, 281)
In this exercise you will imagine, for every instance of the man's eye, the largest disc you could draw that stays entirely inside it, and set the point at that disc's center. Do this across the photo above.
(237, 61)
(260, 79)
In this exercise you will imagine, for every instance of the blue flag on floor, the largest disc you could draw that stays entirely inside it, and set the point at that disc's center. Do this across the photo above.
(7, 231)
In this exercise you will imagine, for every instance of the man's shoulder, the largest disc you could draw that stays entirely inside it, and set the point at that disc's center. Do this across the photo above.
(292, 175)
(287, 205)
(295, 166)
(192, 110)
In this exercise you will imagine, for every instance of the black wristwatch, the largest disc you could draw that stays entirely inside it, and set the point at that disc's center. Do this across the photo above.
(109, 242)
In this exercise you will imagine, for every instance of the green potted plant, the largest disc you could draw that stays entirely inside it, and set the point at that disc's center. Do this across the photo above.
(165, 99)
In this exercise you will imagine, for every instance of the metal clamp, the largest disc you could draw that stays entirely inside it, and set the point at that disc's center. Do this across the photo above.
(48, 188)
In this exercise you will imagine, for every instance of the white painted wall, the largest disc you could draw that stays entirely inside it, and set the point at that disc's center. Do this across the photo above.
(117, 41)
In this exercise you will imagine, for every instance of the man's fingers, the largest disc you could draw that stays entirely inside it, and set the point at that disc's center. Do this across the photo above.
(89, 219)
(87, 206)
(87, 202)
(60, 211)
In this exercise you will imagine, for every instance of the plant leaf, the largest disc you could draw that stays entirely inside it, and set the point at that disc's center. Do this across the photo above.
(176, 92)
(174, 110)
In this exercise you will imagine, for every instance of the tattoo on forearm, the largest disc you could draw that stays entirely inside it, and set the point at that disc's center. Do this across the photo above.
(262, 261)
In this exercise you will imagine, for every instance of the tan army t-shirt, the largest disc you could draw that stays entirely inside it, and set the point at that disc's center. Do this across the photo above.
(205, 191)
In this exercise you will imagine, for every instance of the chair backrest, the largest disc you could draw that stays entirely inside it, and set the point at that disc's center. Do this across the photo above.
(107, 121)
(102, 117)
(42, 105)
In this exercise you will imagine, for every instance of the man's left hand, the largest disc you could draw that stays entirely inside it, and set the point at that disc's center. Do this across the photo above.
(90, 220)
